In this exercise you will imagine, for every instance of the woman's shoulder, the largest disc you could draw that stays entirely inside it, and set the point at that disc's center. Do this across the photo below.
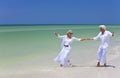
(64, 36)
(73, 37)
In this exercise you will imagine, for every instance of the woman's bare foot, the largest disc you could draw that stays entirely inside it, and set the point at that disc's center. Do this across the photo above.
(61, 65)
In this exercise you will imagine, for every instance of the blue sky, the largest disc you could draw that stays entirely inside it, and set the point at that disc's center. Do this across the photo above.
(59, 11)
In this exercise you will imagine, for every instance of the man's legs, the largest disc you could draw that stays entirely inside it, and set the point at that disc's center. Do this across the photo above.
(99, 55)
(104, 56)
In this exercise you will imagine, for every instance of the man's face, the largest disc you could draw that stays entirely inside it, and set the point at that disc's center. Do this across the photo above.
(102, 29)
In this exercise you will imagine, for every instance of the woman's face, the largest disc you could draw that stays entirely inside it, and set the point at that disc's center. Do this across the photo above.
(69, 34)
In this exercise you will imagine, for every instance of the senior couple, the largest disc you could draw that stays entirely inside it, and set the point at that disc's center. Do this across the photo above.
(103, 36)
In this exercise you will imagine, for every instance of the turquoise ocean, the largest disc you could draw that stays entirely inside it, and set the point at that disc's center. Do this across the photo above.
(30, 46)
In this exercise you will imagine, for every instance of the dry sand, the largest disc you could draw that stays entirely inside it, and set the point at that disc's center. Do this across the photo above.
(77, 71)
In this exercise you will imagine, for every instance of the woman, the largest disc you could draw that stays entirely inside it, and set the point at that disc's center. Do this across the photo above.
(104, 37)
(63, 56)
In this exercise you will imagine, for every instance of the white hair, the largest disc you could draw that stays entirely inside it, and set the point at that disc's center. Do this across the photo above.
(69, 31)
(102, 26)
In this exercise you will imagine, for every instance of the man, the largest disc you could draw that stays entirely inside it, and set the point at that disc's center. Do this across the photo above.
(104, 37)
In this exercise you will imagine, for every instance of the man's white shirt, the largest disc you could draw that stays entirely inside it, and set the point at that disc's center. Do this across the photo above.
(104, 38)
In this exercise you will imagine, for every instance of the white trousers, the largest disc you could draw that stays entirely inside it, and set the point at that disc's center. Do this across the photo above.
(63, 56)
(101, 55)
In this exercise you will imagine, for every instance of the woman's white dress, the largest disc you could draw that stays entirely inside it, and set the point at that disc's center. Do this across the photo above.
(63, 56)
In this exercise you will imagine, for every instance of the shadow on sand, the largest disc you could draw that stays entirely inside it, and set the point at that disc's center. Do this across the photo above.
(111, 66)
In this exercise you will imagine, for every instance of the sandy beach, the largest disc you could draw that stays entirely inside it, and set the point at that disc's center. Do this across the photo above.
(78, 71)
(35, 64)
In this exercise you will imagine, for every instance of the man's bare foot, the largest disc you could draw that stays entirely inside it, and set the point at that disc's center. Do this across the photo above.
(98, 64)
(105, 65)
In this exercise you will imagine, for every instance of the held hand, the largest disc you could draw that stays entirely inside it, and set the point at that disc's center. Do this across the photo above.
(89, 38)
(86, 39)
